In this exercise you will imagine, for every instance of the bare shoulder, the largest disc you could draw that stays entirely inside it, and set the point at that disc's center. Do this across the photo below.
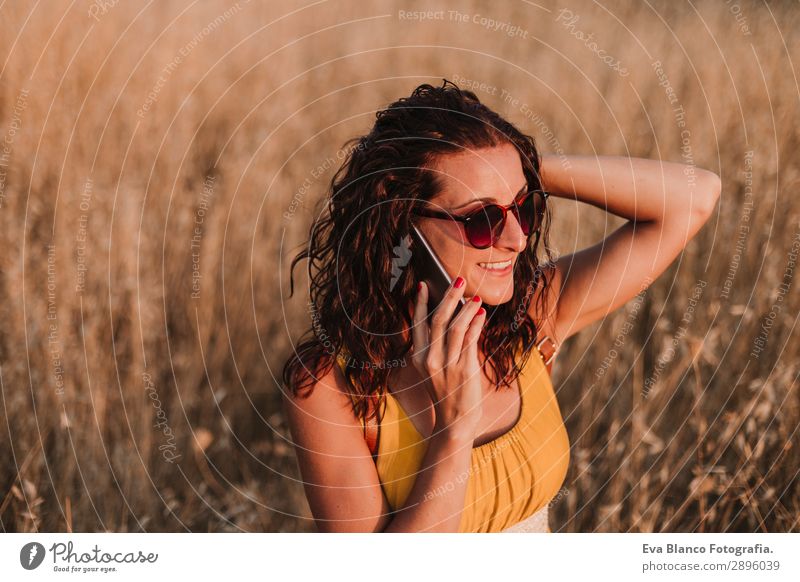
(339, 475)
(322, 411)
(327, 398)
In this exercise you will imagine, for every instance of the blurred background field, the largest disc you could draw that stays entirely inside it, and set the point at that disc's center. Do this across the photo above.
(161, 163)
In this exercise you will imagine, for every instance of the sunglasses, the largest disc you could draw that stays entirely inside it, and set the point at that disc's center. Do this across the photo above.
(484, 225)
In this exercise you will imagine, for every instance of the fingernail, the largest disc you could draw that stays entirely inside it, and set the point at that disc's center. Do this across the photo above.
(419, 286)
(476, 299)
(481, 311)
(459, 283)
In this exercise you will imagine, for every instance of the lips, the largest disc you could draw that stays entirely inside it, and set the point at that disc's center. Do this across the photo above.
(497, 266)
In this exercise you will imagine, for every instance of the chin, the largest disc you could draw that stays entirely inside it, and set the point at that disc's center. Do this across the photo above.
(494, 288)
(497, 301)
(494, 293)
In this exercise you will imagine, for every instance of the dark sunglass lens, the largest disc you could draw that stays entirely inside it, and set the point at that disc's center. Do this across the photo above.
(526, 212)
(484, 225)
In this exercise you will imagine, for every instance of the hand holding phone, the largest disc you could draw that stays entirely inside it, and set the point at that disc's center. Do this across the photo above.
(446, 351)
(430, 269)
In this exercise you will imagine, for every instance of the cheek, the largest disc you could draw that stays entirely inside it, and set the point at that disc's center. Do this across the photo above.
(459, 260)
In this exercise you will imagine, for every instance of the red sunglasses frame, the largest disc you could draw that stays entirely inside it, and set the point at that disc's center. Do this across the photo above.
(513, 208)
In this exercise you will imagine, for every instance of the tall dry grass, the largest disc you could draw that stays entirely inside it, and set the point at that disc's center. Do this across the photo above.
(128, 404)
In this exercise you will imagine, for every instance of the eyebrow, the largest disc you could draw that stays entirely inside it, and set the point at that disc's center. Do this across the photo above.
(489, 199)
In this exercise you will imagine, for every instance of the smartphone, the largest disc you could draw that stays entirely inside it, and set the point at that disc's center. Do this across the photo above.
(431, 270)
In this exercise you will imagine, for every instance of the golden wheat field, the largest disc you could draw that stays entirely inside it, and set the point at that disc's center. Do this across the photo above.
(162, 162)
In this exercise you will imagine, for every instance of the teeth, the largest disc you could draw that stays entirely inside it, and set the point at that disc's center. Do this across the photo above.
(496, 266)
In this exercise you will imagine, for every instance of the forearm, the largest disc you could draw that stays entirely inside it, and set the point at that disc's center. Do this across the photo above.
(437, 497)
(634, 188)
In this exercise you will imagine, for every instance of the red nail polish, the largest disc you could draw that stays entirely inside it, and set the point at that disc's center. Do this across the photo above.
(476, 299)
(459, 283)
(481, 311)
(419, 286)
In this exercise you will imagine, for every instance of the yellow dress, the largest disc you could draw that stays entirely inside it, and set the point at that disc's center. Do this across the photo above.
(510, 478)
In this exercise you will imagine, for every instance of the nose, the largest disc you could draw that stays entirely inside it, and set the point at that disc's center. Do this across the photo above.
(512, 237)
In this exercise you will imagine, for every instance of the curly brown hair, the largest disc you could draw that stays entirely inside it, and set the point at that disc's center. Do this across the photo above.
(387, 174)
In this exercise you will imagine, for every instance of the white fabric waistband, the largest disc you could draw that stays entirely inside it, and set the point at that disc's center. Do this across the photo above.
(536, 523)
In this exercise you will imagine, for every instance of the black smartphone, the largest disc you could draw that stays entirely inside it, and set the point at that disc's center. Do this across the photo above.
(430, 269)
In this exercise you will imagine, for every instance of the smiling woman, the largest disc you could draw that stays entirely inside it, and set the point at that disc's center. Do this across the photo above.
(470, 436)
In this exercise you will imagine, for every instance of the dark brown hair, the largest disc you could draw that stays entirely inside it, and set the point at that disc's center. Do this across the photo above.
(355, 309)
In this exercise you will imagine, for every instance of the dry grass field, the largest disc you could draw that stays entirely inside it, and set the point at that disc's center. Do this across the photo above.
(161, 163)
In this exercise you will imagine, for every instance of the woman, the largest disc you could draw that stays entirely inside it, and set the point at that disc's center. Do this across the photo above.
(470, 434)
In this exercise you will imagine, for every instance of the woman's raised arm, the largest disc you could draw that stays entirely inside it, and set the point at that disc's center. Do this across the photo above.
(666, 204)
